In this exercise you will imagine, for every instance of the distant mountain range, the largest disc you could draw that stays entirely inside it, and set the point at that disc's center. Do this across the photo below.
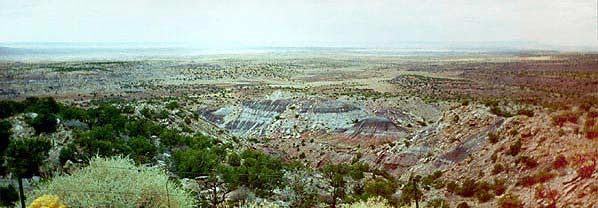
(140, 50)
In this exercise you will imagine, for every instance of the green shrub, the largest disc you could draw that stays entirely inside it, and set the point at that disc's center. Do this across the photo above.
(9, 108)
(499, 186)
(172, 105)
(539, 177)
(8, 196)
(586, 169)
(526, 112)
(467, 188)
(510, 201)
(498, 168)
(46, 105)
(430, 180)
(499, 111)
(5, 134)
(142, 150)
(143, 127)
(563, 117)
(259, 172)
(560, 162)
(191, 163)
(463, 205)
(72, 113)
(452, 186)
(437, 203)
(493, 137)
(484, 196)
(515, 148)
(380, 187)
(115, 182)
(107, 115)
(147, 113)
(102, 141)
(527, 161)
(43, 123)
(68, 152)
(25, 156)
(163, 114)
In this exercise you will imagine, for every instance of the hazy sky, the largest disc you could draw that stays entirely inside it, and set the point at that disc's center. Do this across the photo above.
(300, 23)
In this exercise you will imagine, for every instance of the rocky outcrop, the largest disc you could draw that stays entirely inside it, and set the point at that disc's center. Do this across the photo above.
(373, 131)
(284, 117)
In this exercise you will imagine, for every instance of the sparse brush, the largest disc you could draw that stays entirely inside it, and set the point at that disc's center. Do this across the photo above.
(560, 162)
(372, 202)
(526, 112)
(510, 201)
(264, 204)
(563, 117)
(115, 182)
(493, 137)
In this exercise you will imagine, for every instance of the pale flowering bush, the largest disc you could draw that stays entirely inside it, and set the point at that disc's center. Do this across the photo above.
(116, 182)
(47, 201)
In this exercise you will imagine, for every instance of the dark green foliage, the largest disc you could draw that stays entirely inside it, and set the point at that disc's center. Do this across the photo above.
(142, 150)
(143, 127)
(515, 148)
(234, 160)
(163, 115)
(106, 114)
(339, 175)
(259, 172)
(5, 133)
(380, 187)
(102, 141)
(8, 196)
(201, 158)
(9, 108)
(45, 105)
(25, 156)
(482, 190)
(336, 175)
(68, 152)
(43, 123)
(172, 105)
(72, 113)
(356, 171)
(171, 138)
(147, 113)
(411, 191)
(192, 163)
(432, 180)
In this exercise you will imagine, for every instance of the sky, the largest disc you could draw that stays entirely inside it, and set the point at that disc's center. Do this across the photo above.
(350, 23)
